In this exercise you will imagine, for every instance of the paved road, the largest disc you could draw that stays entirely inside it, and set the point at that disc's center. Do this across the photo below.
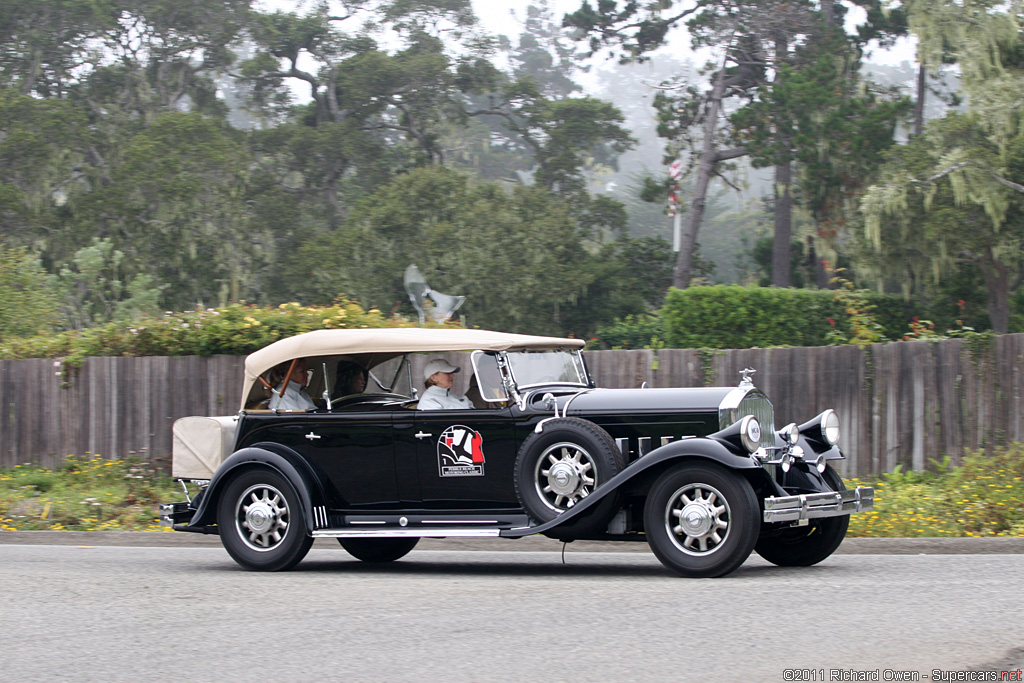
(113, 613)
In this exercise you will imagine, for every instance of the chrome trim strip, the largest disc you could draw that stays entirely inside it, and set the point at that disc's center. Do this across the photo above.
(733, 398)
(815, 505)
(405, 533)
(368, 521)
(643, 446)
(458, 521)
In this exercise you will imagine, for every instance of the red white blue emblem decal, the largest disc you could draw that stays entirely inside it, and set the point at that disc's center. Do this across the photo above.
(460, 453)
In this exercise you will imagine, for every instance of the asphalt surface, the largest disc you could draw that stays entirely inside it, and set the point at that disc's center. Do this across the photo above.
(851, 546)
(110, 614)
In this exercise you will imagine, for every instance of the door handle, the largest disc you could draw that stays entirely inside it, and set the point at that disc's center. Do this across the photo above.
(312, 436)
(422, 435)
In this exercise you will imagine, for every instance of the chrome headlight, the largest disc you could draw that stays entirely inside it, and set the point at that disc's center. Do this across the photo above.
(750, 433)
(830, 427)
(790, 434)
(823, 429)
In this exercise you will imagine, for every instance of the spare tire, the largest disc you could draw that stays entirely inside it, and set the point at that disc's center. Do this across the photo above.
(563, 464)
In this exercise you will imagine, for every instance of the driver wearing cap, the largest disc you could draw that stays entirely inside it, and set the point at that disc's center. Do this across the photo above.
(439, 375)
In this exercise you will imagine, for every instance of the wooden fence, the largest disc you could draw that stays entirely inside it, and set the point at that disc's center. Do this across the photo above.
(899, 403)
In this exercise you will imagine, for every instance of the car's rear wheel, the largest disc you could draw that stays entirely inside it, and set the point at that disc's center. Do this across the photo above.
(803, 546)
(378, 549)
(701, 520)
(260, 522)
(557, 468)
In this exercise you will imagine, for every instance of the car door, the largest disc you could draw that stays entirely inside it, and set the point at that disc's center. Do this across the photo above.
(463, 459)
(352, 450)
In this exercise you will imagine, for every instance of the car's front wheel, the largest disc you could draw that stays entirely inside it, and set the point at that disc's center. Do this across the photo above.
(378, 549)
(701, 520)
(260, 522)
(803, 546)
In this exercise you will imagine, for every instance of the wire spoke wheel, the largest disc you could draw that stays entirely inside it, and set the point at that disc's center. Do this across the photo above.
(565, 474)
(261, 522)
(563, 465)
(697, 516)
(262, 517)
(701, 519)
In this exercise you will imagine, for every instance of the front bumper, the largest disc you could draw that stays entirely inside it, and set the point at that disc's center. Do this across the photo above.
(814, 505)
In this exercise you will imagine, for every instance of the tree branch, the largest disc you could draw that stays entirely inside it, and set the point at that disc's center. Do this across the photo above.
(726, 154)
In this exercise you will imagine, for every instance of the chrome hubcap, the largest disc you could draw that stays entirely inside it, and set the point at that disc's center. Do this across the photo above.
(697, 518)
(564, 476)
(262, 517)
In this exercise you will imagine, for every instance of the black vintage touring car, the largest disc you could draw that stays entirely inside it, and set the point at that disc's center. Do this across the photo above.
(700, 474)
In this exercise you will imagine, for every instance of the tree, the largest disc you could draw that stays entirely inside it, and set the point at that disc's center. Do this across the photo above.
(757, 44)
(924, 225)
(30, 302)
(46, 44)
(818, 114)
(42, 142)
(520, 256)
(95, 289)
(969, 160)
(175, 209)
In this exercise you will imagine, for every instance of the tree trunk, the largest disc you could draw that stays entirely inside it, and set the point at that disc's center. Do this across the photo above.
(919, 102)
(683, 271)
(997, 284)
(828, 11)
(781, 249)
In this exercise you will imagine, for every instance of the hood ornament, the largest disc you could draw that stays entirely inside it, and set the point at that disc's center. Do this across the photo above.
(746, 381)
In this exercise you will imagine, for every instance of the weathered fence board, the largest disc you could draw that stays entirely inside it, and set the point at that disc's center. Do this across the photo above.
(900, 404)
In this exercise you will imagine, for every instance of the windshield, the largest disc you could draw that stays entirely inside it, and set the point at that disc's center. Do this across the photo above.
(530, 368)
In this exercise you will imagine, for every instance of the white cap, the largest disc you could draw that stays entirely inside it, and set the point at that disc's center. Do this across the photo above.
(438, 365)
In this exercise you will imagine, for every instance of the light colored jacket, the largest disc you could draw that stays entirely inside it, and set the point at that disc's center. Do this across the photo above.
(436, 398)
(292, 398)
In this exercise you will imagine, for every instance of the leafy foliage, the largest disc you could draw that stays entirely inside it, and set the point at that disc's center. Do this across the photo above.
(87, 493)
(236, 329)
(735, 317)
(981, 497)
(29, 303)
(926, 222)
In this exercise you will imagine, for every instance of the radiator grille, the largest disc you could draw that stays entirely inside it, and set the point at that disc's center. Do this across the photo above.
(757, 404)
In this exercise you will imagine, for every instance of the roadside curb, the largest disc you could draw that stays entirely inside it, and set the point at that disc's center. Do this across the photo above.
(992, 545)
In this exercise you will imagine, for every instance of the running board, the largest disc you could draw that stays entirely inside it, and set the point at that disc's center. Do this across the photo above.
(392, 532)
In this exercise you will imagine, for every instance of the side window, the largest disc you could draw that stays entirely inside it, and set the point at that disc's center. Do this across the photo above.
(487, 378)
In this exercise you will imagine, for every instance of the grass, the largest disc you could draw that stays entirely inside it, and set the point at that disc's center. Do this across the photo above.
(87, 493)
(982, 497)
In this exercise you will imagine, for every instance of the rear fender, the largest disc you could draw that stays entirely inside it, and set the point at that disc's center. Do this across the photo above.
(287, 463)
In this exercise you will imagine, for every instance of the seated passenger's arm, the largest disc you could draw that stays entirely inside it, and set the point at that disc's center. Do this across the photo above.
(428, 403)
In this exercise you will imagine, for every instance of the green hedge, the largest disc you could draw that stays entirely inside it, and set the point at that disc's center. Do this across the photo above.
(236, 330)
(736, 317)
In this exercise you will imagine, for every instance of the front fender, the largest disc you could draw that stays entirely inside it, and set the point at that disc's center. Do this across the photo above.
(279, 458)
(640, 472)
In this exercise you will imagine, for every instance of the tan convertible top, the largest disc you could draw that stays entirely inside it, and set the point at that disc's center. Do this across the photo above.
(391, 342)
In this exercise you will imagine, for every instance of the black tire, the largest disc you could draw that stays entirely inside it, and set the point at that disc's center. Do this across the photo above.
(721, 519)
(561, 466)
(378, 549)
(803, 546)
(260, 521)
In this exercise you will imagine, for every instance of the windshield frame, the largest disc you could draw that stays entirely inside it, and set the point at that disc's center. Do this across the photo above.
(524, 381)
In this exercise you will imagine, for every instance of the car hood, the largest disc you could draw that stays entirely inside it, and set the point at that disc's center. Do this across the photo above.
(696, 400)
